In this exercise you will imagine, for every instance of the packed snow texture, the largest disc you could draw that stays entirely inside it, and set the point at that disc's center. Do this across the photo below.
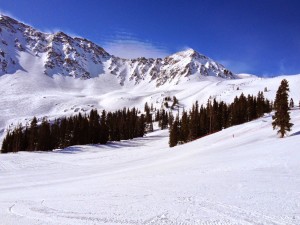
(251, 178)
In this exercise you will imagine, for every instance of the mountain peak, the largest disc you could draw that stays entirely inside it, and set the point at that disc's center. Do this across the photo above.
(62, 54)
(7, 21)
(4, 17)
(60, 33)
(190, 53)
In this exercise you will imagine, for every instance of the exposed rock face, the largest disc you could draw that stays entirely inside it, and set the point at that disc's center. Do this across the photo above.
(81, 58)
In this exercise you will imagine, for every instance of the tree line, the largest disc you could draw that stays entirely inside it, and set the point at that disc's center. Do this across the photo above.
(75, 130)
(215, 116)
(129, 123)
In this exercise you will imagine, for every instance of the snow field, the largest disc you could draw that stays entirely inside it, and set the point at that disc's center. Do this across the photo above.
(252, 178)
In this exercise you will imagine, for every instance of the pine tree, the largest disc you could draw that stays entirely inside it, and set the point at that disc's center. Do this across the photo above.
(260, 104)
(33, 135)
(5, 143)
(194, 122)
(175, 102)
(94, 125)
(55, 134)
(62, 133)
(170, 119)
(292, 103)
(68, 139)
(17, 138)
(44, 142)
(282, 115)
(104, 132)
(184, 128)
(174, 133)
(140, 126)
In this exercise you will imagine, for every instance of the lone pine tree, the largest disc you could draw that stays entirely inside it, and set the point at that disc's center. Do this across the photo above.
(281, 119)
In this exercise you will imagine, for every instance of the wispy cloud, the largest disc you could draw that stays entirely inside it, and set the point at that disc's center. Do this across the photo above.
(236, 66)
(126, 45)
(282, 66)
(6, 13)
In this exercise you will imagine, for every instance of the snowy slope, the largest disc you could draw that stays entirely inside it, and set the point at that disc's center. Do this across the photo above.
(252, 178)
(57, 75)
(23, 95)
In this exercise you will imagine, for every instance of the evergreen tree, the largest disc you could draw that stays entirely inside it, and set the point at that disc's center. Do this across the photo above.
(33, 135)
(25, 139)
(148, 117)
(140, 126)
(43, 141)
(62, 133)
(157, 116)
(174, 133)
(292, 103)
(55, 134)
(281, 119)
(6, 143)
(164, 119)
(17, 139)
(94, 127)
(69, 134)
(184, 128)
(84, 129)
(175, 102)
(195, 122)
(260, 104)
(104, 132)
(170, 119)
(146, 108)
(122, 124)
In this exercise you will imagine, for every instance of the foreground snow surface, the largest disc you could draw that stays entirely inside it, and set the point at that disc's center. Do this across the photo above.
(251, 178)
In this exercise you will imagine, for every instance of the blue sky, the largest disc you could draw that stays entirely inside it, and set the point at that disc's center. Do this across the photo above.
(261, 37)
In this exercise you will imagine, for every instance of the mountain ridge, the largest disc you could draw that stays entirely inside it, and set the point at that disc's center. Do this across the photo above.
(81, 58)
(29, 88)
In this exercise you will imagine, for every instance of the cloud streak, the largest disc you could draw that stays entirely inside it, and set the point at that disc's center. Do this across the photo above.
(236, 66)
(125, 45)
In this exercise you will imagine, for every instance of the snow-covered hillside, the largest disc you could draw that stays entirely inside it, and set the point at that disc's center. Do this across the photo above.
(242, 175)
(37, 72)
(23, 95)
(252, 178)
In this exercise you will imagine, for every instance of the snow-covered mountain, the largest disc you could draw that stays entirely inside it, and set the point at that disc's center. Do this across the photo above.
(38, 74)
(81, 58)
(241, 175)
